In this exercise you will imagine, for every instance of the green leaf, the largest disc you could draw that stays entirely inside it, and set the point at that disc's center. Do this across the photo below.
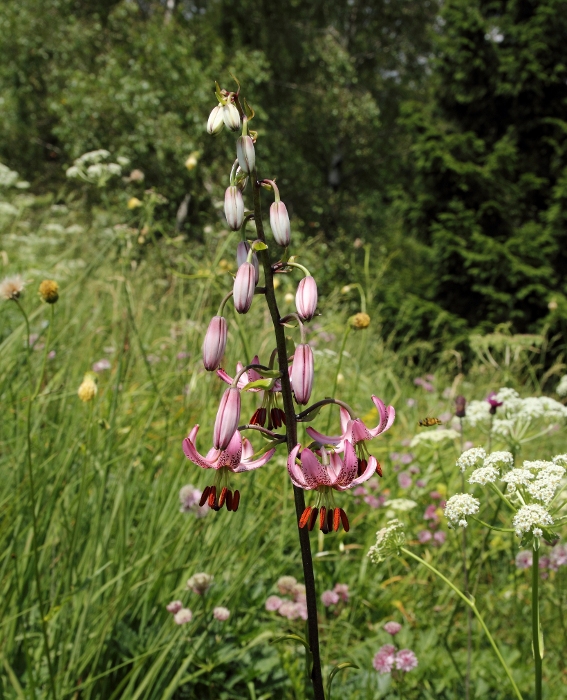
(272, 373)
(259, 245)
(301, 640)
(260, 384)
(335, 670)
(312, 415)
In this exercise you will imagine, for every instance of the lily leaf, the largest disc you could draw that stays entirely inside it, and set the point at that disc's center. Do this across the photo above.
(335, 670)
(260, 384)
(297, 638)
(259, 245)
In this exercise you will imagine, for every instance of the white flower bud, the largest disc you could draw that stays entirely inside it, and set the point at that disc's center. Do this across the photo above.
(246, 154)
(279, 222)
(234, 207)
(231, 116)
(214, 125)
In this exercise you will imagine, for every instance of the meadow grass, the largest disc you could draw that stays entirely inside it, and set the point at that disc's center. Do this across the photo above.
(113, 546)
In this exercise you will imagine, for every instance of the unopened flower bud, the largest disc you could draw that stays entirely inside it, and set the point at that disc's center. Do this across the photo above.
(215, 123)
(242, 251)
(243, 290)
(215, 343)
(245, 154)
(231, 116)
(228, 417)
(49, 291)
(460, 406)
(234, 207)
(302, 373)
(88, 389)
(279, 223)
(359, 321)
(306, 298)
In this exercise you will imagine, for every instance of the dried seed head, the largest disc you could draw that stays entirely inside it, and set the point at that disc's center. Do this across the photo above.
(11, 288)
(359, 321)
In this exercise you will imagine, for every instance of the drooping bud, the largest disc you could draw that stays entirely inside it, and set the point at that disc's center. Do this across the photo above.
(460, 406)
(306, 298)
(234, 207)
(242, 251)
(243, 290)
(302, 373)
(215, 123)
(359, 321)
(245, 154)
(279, 223)
(231, 116)
(215, 343)
(228, 417)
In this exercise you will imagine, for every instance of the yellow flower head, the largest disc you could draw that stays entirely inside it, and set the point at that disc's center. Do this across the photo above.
(88, 389)
(134, 203)
(359, 321)
(49, 291)
(192, 160)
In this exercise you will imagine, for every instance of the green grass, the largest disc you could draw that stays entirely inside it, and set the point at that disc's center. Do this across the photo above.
(112, 558)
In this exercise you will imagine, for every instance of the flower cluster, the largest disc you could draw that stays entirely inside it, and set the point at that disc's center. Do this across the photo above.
(332, 463)
(294, 607)
(471, 458)
(92, 167)
(190, 497)
(388, 659)
(389, 540)
(336, 595)
(458, 507)
(556, 559)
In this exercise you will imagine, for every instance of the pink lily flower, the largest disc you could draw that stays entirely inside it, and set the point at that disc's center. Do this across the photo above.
(354, 430)
(236, 458)
(331, 473)
(269, 410)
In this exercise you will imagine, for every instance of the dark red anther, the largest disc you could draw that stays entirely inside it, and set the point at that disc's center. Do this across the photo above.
(344, 520)
(322, 516)
(204, 496)
(236, 501)
(378, 469)
(282, 415)
(336, 519)
(329, 519)
(313, 518)
(222, 496)
(362, 464)
(258, 417)
(212, 496)
(305, 516)
(275, 417)
(228, 500)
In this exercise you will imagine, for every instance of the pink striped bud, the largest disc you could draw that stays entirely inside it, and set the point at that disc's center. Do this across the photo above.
(302, 373)
(306, 298)
(228, 418)
(215, 122)
(242, 251)
(215, 343)
(245, 154)
(279, 222)
(231, 116)
(243, 290)
(234, 207)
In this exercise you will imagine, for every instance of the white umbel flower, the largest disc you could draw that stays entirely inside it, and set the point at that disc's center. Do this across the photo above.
(529, 517)
(517, 477)
(562, 386)
(502, 460)
(547, 481)
(561, 460)
(484, 475)
(388, 541)
(458, 507)
(471, 458)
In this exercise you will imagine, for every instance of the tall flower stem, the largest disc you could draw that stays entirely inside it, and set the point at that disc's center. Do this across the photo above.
(478, 616)
(35, 528)
(536, 632)
(291, 427)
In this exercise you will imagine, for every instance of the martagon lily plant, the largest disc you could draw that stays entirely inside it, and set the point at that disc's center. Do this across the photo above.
(329, 464)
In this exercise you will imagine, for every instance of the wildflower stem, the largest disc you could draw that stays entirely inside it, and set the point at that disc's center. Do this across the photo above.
(478, 616)
(223, 303)
(491, 527)
(338, 370)
(537, 638)
(33, 511)
(291, 428)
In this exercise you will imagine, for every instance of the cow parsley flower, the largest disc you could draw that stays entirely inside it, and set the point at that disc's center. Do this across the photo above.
(484, 475)
(458, 507)
(471, 458)
(531, 517)
(389, 540)
(502, 460)
(517, 477)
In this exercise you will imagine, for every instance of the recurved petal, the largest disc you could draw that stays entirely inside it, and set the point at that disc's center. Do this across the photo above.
(191, 451)
(324, 439)
(314, 472)
(366, 474)
(386, 417)
(231, 456)
(294, 470)
(249, 464)
(349, 466)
